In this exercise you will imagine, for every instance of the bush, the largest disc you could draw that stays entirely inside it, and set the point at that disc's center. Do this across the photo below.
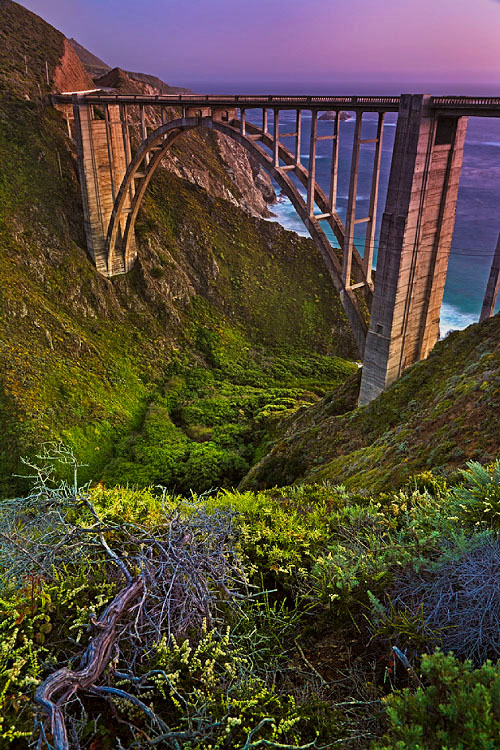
(207, 692)
(459, 599)
(478, 500)
(323, 545)
(459, 709)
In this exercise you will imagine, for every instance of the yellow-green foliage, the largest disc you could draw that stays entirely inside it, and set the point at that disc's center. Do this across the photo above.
(327, 558)
(478, 498)
(459, 709)
(331, 548)
(37, 619)
(209, 690)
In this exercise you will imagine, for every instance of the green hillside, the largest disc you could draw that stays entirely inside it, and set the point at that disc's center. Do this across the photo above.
(345, 595)
(83, 358)
(443, 412)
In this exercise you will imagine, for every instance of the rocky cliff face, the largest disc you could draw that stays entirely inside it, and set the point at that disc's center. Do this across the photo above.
(94, 66)
(70, 75)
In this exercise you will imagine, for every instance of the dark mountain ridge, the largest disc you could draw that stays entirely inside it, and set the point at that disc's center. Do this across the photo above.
(99, 71)
(92, 64)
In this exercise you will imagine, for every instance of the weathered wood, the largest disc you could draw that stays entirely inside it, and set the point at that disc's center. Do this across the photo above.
(60, 686)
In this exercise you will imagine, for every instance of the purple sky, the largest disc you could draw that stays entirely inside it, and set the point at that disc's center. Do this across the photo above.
(289, 41)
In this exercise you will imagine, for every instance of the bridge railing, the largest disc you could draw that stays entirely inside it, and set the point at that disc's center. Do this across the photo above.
(247, 100)
(459, 105)
(468, 101)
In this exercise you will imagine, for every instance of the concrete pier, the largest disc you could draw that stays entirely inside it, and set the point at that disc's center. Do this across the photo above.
(415, 242)
(491, 294)
(104, 151)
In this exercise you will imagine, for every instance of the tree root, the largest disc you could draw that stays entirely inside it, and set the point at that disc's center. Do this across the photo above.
(65, 682)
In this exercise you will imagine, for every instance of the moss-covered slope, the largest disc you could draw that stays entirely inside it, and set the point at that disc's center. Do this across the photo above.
(81, 357)
(442, 412)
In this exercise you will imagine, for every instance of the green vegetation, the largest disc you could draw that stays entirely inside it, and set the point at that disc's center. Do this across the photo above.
(307, 621)
(440, 414)
(205, 427)
(27, 44)
(313, 614)
(84, 359)
(459, 708)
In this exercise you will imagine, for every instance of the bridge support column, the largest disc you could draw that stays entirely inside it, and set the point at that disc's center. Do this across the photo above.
(103, 147)
(491, 294)
(415, 241)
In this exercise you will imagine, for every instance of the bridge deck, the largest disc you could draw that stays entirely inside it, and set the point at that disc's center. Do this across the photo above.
(458, 106)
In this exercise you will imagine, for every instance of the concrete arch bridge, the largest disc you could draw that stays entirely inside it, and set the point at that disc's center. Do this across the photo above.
(417, 220)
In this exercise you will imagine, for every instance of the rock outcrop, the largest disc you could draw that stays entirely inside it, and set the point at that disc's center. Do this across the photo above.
(333, 116)
(70, 75)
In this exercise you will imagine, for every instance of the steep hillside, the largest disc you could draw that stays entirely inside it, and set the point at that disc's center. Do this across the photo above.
(82, 357)
(35, 58)
(94, 66)
(443, 412)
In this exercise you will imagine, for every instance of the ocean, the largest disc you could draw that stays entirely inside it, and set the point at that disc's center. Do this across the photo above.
(478, 217)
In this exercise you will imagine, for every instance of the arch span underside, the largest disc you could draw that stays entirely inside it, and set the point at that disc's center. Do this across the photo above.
(120, 244)
(416, 226)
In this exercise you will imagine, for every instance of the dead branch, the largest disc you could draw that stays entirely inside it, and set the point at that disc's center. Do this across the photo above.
(65, 682)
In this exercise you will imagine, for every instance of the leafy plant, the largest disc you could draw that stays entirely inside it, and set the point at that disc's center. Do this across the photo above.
(459, 709)
(211, 695)
(478, 499)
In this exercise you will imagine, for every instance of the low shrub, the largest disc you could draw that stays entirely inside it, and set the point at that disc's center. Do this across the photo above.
(459, 708)
(458, 598)
(478, 498)
(208, 695)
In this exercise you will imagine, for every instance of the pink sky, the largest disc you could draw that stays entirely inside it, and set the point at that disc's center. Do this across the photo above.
(289, 40)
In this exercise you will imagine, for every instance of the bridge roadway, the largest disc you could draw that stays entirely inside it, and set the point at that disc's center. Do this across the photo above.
(452, 106)
(404, 303)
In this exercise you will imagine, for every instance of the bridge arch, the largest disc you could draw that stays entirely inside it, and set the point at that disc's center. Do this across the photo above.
(120, 243)
(417, 221)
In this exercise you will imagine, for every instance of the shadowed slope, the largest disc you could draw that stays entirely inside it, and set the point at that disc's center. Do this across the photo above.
(443, 411)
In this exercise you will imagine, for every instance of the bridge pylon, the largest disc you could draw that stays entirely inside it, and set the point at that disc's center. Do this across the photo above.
(415, 242)
(104, 152)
